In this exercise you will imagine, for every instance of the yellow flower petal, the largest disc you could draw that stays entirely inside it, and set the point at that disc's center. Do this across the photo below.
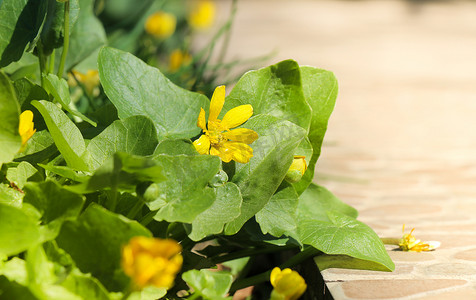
(216, 104)
(237, 116)
(202, 144)
(26, 127)
(161, 24)
(203, 15)
(224, 153)
(240, 152)
(288, 284)
(241, 135)
(201, 122)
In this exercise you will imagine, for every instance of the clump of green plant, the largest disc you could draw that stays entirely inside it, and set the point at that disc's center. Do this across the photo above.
(119, 184)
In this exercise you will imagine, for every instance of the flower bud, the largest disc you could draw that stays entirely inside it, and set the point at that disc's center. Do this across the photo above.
(297, 169)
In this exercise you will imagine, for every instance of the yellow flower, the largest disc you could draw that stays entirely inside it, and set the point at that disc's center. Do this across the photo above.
(178, 58)
(203, 15)
(409, 242)
(90, 80)
(297, 169)
(217, 138)
(152, 261)
(287, 284)
(26, 126)
(161, 24)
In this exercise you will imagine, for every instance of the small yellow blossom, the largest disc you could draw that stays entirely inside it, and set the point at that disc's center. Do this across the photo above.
(409, 242)
(217, 138)
(152, 261)
(297, 169)
(287, 284)
(26, 126)
(161, 24)
(178, 58)
(203, 15)
(90, 80)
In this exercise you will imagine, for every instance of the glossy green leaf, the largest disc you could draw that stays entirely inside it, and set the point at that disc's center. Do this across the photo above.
(148, 293)
(22, 173)
(209, 284)
(134, 135)
(261, 177)
(21, 21)
(14, 269)
(86, 36)
(67, 137)
(58, 87)
(224, 209)
(85, 286)
(10, 196)
(320, 90)
(39, 147)
(175, 147)
(185, 192)
(10, 112)
(52, 33)
(278, 216)
(274, 90)
(122, 171)
(28, 91)
(94, 241)
(54, 203)
(138, 89)
(18, 231)
(316, 200)
(326, 261)
(344, 235)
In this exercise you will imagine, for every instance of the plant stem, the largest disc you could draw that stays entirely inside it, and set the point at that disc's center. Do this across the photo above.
(148, 218)
(249, 252)
(42, 61)
(135, 209)
(65, 39)
(51, 68)
(295, 260)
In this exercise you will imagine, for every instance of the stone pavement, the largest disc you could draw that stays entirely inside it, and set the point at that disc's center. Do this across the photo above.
(401, 143)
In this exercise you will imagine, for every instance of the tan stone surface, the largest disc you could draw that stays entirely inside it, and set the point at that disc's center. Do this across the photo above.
(395, 288)
(401, 143)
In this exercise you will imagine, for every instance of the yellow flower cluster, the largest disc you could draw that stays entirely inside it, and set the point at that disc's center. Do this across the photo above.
(287, 284)
(409, 242)
(161, 24)
(203, 15)
(26, 127)
(90, 80)
(152, 261)
(217, 138)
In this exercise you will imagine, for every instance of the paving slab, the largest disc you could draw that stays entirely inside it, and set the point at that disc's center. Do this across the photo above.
(401, 143)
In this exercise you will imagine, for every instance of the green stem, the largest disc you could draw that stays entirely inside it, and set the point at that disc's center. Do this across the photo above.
(42, 61)
(65, 41)
(51, 68)
(194, 296)
(135, 209)
(249, 252)
(295, 260)
(226, 42)
(148, 218)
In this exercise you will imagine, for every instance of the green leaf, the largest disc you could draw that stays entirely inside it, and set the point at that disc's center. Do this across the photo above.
(58, 87)
(55, 204)
(224, 209)
(94, 242)
(122, 171)
(67, 137)
(18, 231)
(326, 261)
(28, 91)
(14, 269)
(52, 34)
(65, 172)
(22, 173)
(344, 235)
(10, 196)
(10, 112)
(40, 147)
(21, 21)
(148, 293)
(184, 194)
(175, 147)
(138, 89)
(209, 284)
(87, 35)
(261, 177)
(278, 216)
(275, 90)
(85, 286)
(320, 90)
(135, 135)
(316, 200)
(14, 290)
